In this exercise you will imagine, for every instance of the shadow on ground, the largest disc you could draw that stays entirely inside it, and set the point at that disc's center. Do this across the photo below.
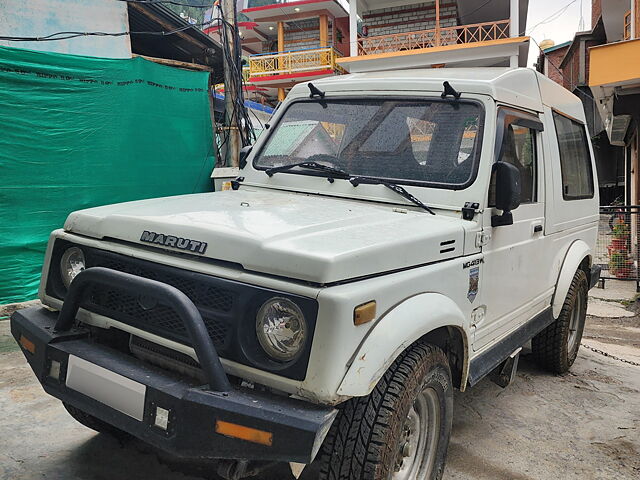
(584, 425)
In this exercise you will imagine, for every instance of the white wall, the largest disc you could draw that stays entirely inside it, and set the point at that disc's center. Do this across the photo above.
(37, 18)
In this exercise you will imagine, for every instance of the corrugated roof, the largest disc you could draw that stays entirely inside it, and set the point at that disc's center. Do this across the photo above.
(557, 47)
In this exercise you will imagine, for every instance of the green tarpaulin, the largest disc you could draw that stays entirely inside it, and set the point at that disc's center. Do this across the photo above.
(77, 132)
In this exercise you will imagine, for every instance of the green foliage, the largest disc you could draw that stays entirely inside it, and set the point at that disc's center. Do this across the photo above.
(621, 231)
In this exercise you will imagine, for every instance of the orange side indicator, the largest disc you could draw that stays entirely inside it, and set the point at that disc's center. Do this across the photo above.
(364, 313)
(244, 433)
(27, 344)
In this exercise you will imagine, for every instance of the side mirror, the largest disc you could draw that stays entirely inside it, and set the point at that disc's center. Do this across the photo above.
(244, 153)
(508, 190)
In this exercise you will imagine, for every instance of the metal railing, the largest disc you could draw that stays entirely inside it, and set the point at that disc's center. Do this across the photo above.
(437, 37)
(295, 61)
(617, 247)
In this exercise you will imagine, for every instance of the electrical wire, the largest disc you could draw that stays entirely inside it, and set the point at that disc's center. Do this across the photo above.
(239, 115)
(67, 35)
(169, 2)
(553, 16)
(477, 9)
(582, 92)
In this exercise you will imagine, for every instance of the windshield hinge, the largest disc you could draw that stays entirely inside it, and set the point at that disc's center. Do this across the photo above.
(235, 184)
(482, 239)
(469, 210)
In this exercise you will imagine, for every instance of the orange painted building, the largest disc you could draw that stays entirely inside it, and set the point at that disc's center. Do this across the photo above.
(614, 79)
(298, 41)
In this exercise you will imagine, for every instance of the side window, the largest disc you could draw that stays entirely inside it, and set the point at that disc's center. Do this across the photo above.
(519, 149)
(575, 160)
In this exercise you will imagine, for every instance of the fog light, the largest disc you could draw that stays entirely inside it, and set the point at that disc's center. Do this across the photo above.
(162, 418)
(54, 370)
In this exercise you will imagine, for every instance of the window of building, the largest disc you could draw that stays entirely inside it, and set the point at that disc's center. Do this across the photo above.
(575, 159)
(627, 25)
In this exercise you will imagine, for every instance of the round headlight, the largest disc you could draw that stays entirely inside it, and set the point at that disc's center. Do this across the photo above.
(281, 329)
(71, 264)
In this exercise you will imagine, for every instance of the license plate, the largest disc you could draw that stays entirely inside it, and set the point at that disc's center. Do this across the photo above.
(107, 387)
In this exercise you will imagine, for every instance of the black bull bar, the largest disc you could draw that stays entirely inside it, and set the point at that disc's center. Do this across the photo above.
(216, 420)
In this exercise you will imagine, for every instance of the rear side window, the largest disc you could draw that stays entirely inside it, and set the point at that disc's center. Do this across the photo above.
(575, 160)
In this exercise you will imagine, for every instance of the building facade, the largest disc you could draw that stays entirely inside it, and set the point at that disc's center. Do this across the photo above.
(550, 60)
(291, 42)
(600, 66)
(437, 33)
(286, 43)
(39, 18)
(614, 79)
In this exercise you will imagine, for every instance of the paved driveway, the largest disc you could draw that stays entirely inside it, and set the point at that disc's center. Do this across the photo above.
(585, 425)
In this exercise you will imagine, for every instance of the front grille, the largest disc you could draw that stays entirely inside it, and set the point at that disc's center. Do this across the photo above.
(200, 294)
(166, 358)
(228, 308)
(214, 302)
(160, 320)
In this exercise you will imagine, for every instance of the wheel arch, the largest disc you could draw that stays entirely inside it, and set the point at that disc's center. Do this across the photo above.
(428, 316)
(579, 256)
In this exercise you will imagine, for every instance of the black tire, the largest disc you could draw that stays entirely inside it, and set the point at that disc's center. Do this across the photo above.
(556, 347)
(94, 423)
(364, 442)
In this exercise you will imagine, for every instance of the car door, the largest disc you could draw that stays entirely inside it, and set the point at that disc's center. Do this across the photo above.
(513, 274)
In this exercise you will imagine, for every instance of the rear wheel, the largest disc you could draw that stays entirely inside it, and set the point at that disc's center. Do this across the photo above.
(401, 430)
(556, 347)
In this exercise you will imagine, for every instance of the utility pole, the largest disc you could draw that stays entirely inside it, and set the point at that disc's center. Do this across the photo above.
(231, 82)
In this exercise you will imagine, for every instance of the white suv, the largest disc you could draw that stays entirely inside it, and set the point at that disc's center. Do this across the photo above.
(392, 236)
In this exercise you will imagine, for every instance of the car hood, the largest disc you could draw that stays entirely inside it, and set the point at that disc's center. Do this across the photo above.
(304, 237)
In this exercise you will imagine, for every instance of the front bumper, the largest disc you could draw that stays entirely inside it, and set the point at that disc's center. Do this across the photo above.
(197, 421)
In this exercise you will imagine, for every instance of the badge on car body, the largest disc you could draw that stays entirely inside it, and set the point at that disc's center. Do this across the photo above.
(172, 241)
(474, 281)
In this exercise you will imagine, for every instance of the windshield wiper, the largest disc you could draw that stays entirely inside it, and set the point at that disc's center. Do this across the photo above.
(309, 166)
(357, 180)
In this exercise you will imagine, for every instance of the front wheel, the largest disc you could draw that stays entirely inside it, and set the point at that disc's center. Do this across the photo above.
(401, 430)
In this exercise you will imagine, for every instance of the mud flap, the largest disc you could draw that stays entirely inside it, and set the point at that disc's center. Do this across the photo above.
(506, 371)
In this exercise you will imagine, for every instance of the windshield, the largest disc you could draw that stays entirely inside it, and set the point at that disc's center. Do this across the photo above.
(425, 142)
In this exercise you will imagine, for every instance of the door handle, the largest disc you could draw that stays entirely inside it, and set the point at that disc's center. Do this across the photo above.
(537, 228)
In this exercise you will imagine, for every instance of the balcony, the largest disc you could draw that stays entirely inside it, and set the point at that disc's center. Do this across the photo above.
(481, 44)
(437, 37)
(284, 68)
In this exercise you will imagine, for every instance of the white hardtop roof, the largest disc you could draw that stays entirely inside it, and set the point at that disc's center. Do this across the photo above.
(522, 87)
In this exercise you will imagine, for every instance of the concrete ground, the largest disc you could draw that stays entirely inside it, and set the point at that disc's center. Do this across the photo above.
(583, 425)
